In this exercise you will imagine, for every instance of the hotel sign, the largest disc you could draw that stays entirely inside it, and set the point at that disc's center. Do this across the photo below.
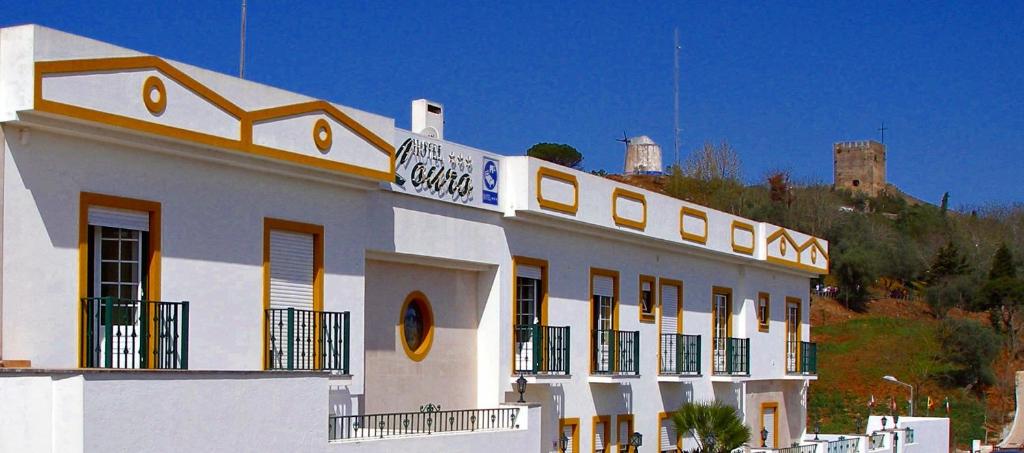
(445, 171)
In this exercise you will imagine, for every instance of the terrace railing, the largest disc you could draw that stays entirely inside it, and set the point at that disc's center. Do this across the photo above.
(680, 354)
(801, 357)
(429, 420)
(307, 340)
(124, 333)
(541, 349)
(732, 356)
(849, 445)
(876, 441)
(615, 352)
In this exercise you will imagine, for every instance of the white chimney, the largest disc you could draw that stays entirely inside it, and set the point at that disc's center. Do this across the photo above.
(428, 118)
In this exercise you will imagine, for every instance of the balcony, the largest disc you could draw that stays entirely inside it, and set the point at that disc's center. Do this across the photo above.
(429, 420)
(542, 350)
(731, 356)
(310, 340)
(615, 353)
(124, 333)
(801, 357)
(680, 355)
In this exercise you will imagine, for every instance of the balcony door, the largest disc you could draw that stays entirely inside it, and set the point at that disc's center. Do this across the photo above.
(528, 313)
(671, 309)
(769, 421)
(117, 270)
(793, 334)
(721, 328)
(293, 257)
(603, 320)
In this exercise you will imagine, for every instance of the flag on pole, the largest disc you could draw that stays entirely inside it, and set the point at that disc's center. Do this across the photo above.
(892, 404)
(871, 403)
(947, 405)
(931, 405)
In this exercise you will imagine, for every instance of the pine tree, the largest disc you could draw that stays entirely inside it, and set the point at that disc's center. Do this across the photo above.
(948, 263)
(1002, 264)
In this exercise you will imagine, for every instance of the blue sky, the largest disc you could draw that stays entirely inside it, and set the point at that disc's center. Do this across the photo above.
(780, 81)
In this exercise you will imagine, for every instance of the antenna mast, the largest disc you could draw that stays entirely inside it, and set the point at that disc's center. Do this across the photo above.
(675, 126)
(241, 55)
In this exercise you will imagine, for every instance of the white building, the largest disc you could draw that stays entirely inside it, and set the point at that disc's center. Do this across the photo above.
(337, 268)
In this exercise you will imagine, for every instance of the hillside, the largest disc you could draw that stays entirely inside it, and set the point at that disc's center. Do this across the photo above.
(898, 338)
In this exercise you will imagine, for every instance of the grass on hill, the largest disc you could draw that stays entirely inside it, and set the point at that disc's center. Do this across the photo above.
(853, 355)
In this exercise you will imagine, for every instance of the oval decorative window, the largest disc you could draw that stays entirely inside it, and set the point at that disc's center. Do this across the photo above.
(416, 326)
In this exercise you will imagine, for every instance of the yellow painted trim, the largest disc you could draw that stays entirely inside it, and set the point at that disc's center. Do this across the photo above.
(635, 196)
(543, 265)
(596, 271)
(317, 231)
(687, 211)
(574, 422)
(763, 324)
(653, 315)
(152, 290)
(737, 225)
(421, 352)
(322, 127)
(798, 266)
(607, 420)
(662, 416)
(246, 119)
(775, 436)
(727, 292)
(152, 84)
(546, 172)
(619, 420)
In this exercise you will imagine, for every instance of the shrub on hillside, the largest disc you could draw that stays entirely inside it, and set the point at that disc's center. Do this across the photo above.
(970, 347)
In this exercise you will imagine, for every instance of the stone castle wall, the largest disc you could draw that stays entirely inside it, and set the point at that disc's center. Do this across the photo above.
(859, 166)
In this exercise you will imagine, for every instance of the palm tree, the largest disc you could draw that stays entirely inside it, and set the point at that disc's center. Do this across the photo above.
(716, 427)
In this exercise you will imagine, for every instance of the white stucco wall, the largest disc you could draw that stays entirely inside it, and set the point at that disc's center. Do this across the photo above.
(162, 412)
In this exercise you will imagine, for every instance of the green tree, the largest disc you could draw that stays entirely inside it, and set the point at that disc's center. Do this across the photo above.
(948, 262)
(557, 153)
(970, 348)
(714, 420)
(1003, 296)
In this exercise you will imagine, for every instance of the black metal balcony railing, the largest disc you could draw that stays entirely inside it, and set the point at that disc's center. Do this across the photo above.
(680, 354)
(430, 419)
(801, 357)
(732, 356)
(307, 340)
(541, 349)
(848, 445)
(615, 352)
(124, 333)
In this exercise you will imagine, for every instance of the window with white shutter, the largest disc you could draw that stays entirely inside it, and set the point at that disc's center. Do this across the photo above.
(669, 309)
(667, 440)
(601, 436)
(292, 270)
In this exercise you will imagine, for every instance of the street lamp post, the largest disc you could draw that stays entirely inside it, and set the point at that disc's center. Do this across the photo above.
(636, 440)
(892, 379)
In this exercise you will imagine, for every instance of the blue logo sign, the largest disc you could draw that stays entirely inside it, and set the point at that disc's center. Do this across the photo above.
(490, 181)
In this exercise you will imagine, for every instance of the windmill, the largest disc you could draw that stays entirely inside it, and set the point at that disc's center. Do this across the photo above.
(625, 141)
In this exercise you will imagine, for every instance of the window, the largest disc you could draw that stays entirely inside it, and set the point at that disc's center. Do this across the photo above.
(602, 428)
(293, 271)
(570, 428)
(530, 279)
(763, 311)
(417, 326)
(623, 429)
(668, 439)
(721, 314)
(770, 422)
(120, 240)
(604, 289)
(646, 299)
(793, 333)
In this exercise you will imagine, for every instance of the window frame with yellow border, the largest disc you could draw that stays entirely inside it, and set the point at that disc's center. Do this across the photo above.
(792, 300)
(763, 324)
(427, 309)
(724, 291)
(543, 299)
(662, 416)
(687, 211)
(653, 315)
(619, 419)
(607, 419)
(738, 225)
(678, 284)
(775, 422)
(575, 423)
(317, 231)
(614, 275)
(153, 258)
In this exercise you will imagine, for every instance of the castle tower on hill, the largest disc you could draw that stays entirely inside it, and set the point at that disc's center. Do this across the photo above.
(859, 166)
